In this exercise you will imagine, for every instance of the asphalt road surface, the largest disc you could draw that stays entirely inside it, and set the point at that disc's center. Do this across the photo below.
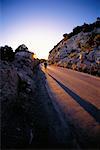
(76, 96)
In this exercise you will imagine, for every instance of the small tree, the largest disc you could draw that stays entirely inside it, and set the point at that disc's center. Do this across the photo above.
(6, 53)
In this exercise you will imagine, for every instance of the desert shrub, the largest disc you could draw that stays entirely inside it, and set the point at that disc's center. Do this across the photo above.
(70, 34)
(86, 28)
(65, 36)
(77, 30)
(6, 53)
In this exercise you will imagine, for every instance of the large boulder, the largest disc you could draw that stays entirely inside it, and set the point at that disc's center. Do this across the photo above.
(21, 48)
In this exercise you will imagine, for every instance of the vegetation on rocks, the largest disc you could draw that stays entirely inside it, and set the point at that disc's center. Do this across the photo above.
(79, 50)
(18, 95)
(6, 53)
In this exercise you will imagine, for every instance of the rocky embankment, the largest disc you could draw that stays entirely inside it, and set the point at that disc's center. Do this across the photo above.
(79, 50)
(17, 96)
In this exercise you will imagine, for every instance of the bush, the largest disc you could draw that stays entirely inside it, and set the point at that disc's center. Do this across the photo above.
(77, 30)
(86, 28)
(6, 53)
(65, 36)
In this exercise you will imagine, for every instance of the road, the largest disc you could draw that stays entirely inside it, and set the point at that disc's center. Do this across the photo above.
(77, 97)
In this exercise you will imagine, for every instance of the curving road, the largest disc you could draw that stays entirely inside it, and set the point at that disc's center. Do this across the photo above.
(77, 97)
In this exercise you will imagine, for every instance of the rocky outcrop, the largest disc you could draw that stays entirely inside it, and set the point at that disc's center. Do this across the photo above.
(79, 50)
(21, 48)
(17, 97)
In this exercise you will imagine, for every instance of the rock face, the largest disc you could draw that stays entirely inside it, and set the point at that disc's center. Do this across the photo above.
(79, 50)
(17, 97)
(21, 48)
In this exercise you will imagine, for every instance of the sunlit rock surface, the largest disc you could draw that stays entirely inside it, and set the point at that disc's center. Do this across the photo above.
(79, 50)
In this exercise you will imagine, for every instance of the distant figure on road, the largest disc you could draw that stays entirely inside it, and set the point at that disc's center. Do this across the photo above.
(45, 65)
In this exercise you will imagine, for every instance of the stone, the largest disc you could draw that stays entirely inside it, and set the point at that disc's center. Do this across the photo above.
(91, 56)
(77, 49)
(8, 83)
(18, 92)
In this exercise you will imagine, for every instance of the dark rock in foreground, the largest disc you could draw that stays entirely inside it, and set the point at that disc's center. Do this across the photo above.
(17, 85)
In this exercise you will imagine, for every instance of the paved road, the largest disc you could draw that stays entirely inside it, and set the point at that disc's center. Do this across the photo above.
(77, 96)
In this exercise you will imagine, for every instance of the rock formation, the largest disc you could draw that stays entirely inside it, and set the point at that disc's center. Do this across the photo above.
(79, 50)
(17, 96)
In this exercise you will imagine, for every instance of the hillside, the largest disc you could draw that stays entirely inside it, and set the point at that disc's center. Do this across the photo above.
(79, 50)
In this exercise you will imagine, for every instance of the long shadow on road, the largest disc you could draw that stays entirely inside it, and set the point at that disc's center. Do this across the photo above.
(90, 108)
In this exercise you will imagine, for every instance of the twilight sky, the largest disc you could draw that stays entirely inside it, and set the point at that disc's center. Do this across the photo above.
(40, 24)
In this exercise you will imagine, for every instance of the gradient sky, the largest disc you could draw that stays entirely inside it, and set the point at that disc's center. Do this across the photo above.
(40, 24)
